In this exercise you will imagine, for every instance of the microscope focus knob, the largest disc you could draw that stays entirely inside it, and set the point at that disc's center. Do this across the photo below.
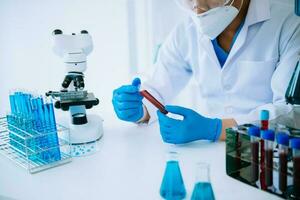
(57, 105)
(84, 32)
(57, 32)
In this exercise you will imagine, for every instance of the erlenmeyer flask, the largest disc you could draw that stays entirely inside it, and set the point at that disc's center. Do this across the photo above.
(202, 189)
(172, 186)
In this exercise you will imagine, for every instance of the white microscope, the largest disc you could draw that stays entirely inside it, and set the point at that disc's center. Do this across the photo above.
(74, 49)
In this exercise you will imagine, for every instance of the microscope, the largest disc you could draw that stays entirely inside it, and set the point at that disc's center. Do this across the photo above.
(74, 49)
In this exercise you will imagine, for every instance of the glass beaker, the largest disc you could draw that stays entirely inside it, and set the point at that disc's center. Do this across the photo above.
(172, 186)
(202, 189)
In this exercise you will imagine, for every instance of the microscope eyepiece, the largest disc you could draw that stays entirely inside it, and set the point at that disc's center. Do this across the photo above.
(57, 32)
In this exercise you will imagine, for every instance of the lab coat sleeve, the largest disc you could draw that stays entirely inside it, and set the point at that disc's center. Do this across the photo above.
(289, 50)
(172, 72)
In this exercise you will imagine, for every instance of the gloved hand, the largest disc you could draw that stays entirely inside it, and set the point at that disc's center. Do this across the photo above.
(127, 102)
(193, 126)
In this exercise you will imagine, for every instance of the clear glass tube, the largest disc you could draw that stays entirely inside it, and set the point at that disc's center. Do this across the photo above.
(283, 156)
(269, 162)
(203, 188)
(296, 172)
(254, 158)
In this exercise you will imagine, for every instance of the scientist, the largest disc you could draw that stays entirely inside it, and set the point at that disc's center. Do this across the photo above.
(242, 54)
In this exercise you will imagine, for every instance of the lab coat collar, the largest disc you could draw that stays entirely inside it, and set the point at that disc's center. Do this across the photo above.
(259, 11)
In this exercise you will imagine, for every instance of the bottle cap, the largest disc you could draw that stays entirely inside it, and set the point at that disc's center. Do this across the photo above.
(295, 143)
(254, 131)
(268, 135)
(282, 138)
(264, 115)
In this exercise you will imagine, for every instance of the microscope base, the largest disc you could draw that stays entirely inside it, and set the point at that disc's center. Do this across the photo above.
(86, 133)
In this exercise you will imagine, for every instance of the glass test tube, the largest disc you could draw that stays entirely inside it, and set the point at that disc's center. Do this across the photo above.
(268, 137)
(295, 145)
(254, 133)
(264, 119)
(283, 142)
(154, 101)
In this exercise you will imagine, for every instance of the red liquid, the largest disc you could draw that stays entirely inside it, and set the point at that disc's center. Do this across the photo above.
(154, 101)
(296, 178)
(262, 165)
(264, 125)
(269, 167)
(282, 171)
(254, 161)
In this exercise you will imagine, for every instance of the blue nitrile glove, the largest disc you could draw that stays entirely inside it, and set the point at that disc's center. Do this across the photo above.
(127, 102)
(193, 126)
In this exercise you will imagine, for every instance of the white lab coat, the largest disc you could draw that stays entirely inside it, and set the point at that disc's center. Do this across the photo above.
(254, 77)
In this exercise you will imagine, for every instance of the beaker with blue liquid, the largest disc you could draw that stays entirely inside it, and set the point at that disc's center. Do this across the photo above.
(172, 186)
(202, 189)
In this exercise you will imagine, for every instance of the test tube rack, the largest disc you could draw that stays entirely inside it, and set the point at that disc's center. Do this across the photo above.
(35, 151)
(239, 163)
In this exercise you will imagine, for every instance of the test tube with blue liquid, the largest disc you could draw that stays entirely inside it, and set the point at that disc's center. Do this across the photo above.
(203, 189)
(172, 186)
(35, 120)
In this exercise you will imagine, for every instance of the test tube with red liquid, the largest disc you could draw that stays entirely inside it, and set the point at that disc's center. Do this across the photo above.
(264, 118)
(283, 145)
(254, 133)
(154, 101)
(295, 145)
(268, 136)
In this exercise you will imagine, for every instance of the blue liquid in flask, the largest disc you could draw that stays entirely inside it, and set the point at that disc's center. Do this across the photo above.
(172, 187)
(203, 191)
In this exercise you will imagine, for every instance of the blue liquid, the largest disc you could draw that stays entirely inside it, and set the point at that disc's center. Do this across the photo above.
(172, 187)
(36, 118)
(12, 104)
(203, 191)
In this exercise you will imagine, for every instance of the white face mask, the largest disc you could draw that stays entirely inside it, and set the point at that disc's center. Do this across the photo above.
(214, 21)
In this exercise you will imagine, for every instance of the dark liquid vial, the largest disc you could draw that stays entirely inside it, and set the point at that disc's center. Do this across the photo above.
(254, 161)
(264, 125)
(262, 165)
(283, 171)
(269, 167)
(296, 178)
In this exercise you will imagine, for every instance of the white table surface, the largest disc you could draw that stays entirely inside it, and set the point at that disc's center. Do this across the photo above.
(129, 165)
